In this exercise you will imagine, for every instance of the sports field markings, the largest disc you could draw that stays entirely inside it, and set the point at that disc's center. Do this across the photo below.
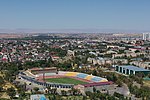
(65, 80)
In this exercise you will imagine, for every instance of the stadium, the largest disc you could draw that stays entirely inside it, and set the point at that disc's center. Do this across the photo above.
(50, 77)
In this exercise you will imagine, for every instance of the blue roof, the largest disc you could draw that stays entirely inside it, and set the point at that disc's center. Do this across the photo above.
(38, 97)
(134, 68)
(42, 98)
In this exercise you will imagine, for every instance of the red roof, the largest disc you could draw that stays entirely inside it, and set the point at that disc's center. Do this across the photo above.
(98, 84)
(4, 59)
(55, 57)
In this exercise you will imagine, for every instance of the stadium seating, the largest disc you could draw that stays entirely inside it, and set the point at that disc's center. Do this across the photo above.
(96, 79)
(81, 75)
(89, 77)
(104, 80)
(73, 74)
(30, 79)
(47, 74)
(78, 75)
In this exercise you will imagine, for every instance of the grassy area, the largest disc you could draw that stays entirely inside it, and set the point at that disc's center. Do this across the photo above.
(65, 80)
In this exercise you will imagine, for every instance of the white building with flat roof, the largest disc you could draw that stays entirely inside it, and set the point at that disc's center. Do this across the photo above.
(130, 69)
(38, 97)
(146, 36)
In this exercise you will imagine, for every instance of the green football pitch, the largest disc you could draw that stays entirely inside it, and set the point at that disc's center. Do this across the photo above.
(65, 80)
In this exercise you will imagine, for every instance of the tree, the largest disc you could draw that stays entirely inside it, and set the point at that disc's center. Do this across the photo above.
(22, 94)
(94, 89)
(70, 92)
(54, 91)
(88, 93)
(54, 97)
(120, 96)
(137, 51)
(36, 89)
(49, 89)
(11, 92)
(119, 83)
(75, 91)
(63, 92)
(94, 72)
(1, 81)
(21, 91)
(1, 89)
(84, 98)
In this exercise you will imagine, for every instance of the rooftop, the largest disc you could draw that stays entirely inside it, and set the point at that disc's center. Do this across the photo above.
(97, 84)
(135, 68)
(38, 97)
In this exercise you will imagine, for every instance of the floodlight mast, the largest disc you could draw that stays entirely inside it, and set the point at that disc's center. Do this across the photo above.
(43, 67)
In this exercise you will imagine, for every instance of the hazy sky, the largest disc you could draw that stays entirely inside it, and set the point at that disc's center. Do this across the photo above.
(75, 14)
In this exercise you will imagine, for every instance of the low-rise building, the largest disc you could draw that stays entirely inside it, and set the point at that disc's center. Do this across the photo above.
(130, 69)
(38, 97)
(141, 64)
(101, 86)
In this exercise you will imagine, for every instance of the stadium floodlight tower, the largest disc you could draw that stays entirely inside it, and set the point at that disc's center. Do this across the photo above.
(43, 67)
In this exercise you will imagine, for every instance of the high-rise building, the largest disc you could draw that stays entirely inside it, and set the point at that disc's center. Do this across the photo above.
(146, 36)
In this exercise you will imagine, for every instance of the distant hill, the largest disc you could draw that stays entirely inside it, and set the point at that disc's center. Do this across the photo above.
(69, 31)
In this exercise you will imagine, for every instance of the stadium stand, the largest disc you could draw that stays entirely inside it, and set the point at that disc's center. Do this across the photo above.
(46, 84)
(104, 80)
(97, 84)
(73, 74)
(89, 77)
(98, 79)
(37, 78)
(81, 75)
(47, 74)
